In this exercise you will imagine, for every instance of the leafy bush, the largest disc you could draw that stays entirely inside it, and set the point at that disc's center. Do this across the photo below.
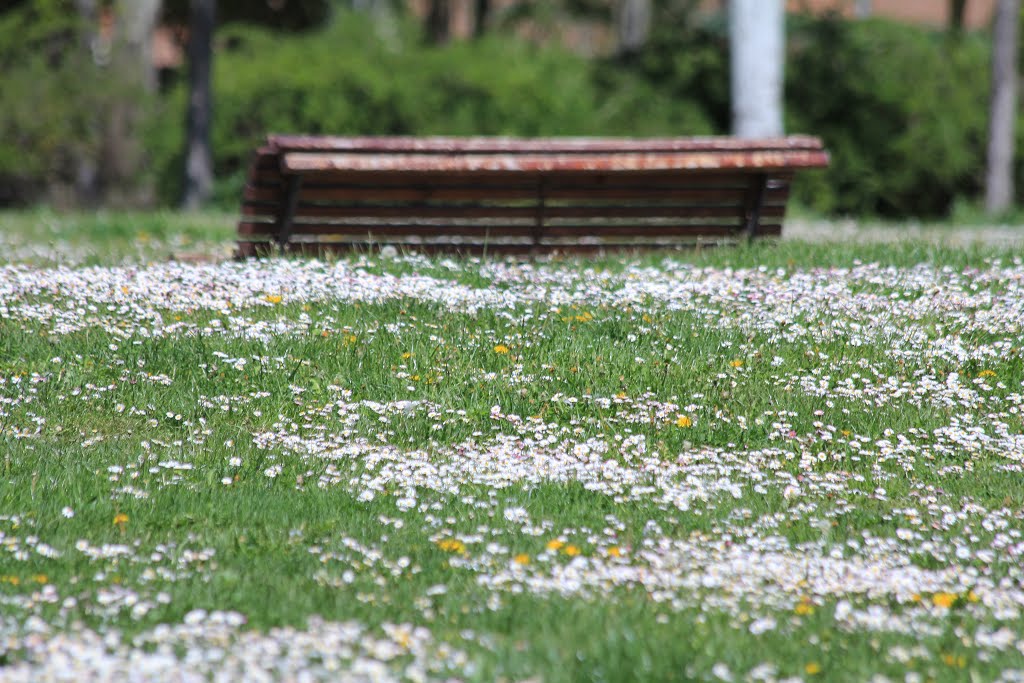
(903, 111)
(350, 79)
(58, 110)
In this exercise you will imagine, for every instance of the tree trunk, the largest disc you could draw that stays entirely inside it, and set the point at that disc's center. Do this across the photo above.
(140, 18)
(87, 173)
(957, 10)
(634, 26)
(438, 22)
(757, 54)
(481, 17)
(1003, 109)
(198, 155)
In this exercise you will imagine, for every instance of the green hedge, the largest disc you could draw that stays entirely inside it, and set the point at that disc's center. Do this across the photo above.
(350, 80)
(902, 109)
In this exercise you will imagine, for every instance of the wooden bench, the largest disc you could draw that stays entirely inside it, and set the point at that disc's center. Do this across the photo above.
(522, 195)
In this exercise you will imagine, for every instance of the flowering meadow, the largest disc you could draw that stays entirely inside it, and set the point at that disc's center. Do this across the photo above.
(782, 463)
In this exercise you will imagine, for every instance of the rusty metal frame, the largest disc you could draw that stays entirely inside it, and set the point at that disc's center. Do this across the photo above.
(754, 204)
(286, 216)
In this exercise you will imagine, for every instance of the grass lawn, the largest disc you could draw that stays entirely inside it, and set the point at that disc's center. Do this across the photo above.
(786, 462)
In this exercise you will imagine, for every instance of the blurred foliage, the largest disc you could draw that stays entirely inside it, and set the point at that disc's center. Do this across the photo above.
(902, 109)
(350, 79)
(53, 101)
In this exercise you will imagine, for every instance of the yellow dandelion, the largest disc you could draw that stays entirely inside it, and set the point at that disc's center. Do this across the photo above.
(736, 363)
(614, 552)
(916, 597)
(406, 356)
(351, 339)
(944, 600)
(451, 545)
(987, 373)
(273, 298)
(120, 518)
(555, 544)
(684, 422)
(972, 596)
(812, 668)
(501, 349)
(41, 578)
(571, 550)
(521, 558)
(803, 609)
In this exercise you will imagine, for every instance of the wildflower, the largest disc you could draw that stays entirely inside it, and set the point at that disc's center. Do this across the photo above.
(812, 668)
(684, 422)
(571, 550)
(521, 558)
(555, 544)
(614, 552)
(40, 578)
(68, 512)
(273, 298)
(406, 356)
(972, 596)
(736, 363)
(120, 519)
(501, 349)
(451, 545)
(804, 609)
(350, 339)
(944, 600)
(987, 373)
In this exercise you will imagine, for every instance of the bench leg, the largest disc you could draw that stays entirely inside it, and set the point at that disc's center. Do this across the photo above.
(287, 215)
(753, 205)
(538, 219)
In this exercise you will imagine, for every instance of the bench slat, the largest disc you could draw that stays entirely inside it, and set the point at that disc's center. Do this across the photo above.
(501, 145)
(763, 160)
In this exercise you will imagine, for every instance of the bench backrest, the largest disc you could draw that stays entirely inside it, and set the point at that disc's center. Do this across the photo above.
(511, 194)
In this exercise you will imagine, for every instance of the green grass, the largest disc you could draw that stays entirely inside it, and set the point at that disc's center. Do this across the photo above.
(787, 459)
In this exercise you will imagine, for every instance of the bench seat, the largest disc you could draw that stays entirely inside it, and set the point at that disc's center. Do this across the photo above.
(516, 195)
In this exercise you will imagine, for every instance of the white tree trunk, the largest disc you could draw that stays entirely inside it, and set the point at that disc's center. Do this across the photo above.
(1003, 111)
(757, 44)
(634, 25)
(140, 18)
